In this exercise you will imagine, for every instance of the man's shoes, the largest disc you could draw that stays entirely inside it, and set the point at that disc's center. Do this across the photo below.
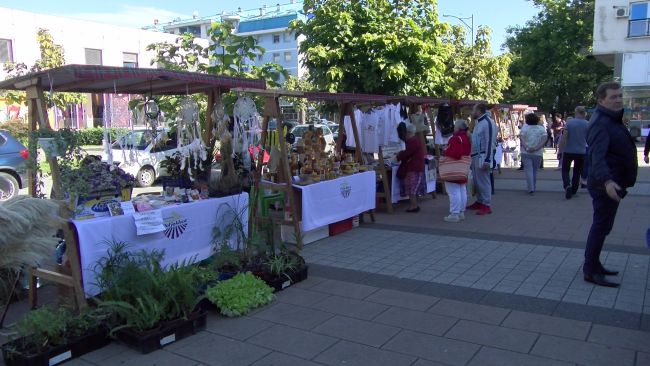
(568, 193)
(452, 218)
(475, 206)
(417, 209)
(606, 272)
(599, 279)
(485, 210)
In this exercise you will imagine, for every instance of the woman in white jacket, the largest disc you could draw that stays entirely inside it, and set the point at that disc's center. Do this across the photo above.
(533, 139)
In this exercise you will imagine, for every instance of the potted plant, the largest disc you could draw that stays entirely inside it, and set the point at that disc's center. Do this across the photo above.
(284, 269)
(47, 336)
(152, 305)
(240, 294)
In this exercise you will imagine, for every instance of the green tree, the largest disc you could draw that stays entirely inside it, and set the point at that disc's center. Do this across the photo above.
(52, 55)
(301, 105)
(551, 66)
(474, 73)
(374, 46)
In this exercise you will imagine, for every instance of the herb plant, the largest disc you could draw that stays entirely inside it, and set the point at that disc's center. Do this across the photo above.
(239, 295)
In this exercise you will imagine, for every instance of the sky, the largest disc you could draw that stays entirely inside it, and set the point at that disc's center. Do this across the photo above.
(497, 14)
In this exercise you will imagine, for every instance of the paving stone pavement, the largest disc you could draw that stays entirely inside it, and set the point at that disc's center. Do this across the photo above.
(539, 271)
(377, 326)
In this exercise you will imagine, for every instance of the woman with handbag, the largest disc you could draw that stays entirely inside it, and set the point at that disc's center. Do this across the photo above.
(454, 170)
(411, 168)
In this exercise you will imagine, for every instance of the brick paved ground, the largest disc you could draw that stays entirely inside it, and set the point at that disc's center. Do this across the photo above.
(412, 290)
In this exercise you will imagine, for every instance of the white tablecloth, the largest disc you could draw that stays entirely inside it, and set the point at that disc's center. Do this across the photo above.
(394, 187)
(334, 200)
(188, 233)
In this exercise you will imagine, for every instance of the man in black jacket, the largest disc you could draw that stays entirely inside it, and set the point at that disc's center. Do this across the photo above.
(613, 169)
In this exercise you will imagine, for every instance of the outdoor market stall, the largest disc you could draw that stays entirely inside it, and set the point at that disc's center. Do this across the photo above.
(149, 82)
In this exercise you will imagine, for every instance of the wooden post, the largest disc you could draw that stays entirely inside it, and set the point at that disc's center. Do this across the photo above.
(388, 194)
(339, 142)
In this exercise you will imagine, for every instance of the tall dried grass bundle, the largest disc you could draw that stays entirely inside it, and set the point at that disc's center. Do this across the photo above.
(27, 229)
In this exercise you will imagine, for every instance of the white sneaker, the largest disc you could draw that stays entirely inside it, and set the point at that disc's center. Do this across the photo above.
(452, 218)
(461, 216)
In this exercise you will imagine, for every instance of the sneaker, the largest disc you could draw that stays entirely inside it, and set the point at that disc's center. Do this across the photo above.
(568, 193)
(452, 218)
(461, 216)
(485, 210)
(475, 206)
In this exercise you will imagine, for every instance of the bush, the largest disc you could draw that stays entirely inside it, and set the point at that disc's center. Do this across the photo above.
(18, 129)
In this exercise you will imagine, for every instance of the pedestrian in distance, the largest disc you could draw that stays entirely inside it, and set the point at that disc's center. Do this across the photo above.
(613, 168)
(484, 141)
(412, 166)
(459, 146)
(533, 140)
(572, 150)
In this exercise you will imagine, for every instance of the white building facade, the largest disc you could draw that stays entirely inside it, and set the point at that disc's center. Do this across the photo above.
(622, 41)
(83, 42)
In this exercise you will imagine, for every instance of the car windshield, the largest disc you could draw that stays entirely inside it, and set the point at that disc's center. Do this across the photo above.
(298, 131)
(136, 139)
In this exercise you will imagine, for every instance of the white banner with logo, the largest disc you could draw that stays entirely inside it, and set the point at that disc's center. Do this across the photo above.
(430, 175)
(187, 235)
(335, 200)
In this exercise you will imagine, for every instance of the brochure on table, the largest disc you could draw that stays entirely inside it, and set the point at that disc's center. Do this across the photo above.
(187, 233)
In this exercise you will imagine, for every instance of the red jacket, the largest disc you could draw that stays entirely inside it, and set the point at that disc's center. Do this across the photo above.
(459, 145)
(413, 156)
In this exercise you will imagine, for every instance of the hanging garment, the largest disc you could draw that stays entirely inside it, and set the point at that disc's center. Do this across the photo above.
(349, 135)
(370, 143)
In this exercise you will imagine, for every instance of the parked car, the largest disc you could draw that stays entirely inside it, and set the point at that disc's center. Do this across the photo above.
(300, 130)
(140, 154)
(13, 165)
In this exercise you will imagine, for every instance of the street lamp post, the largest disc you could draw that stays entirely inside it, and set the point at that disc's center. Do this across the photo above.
(463, 20)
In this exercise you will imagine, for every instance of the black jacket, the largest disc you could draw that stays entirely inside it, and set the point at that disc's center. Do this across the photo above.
(612, 151)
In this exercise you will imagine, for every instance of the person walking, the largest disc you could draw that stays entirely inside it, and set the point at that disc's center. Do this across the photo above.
(613, 168)
(459, 146)
(484, 140)
(412, 163)
(646, 149)
(533, 140)
(557, 126)
(572, 149)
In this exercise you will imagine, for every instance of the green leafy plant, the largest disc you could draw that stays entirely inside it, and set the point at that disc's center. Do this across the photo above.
(144, 314)
(281, 264)
(48, 327)
(239, 295)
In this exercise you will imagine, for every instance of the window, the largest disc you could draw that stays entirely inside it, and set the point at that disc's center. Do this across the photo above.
(276, 58)
(639, 19)
(276, 38)
(259, 57)
(193, 30)
(288, 37)
(93, 56)
(6, 51)
(287, 57)
(129, 59)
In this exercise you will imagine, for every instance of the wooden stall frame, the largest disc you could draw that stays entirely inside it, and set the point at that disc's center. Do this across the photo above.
(103, 79)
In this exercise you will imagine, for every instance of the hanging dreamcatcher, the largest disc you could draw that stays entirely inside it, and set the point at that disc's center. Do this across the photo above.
(189, 141)
(246, 129)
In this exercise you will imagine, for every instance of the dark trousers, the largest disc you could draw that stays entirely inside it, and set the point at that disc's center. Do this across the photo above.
(604, 214)
(578, 162)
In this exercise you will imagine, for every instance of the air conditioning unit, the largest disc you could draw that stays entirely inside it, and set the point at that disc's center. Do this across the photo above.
(622, 12)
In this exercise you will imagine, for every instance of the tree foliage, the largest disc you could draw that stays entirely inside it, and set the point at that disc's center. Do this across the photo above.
(474, 73)
(374, 46)
(52, 55)
(551, 66)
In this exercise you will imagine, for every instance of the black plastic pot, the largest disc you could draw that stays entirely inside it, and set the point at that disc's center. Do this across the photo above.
(92, 341)
(166, 334)
(282, 282)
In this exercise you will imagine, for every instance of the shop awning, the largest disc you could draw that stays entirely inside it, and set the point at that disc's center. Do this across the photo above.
(124, 80)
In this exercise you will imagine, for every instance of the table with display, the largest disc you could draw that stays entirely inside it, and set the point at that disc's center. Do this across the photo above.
(326, 202)
(187, 235)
